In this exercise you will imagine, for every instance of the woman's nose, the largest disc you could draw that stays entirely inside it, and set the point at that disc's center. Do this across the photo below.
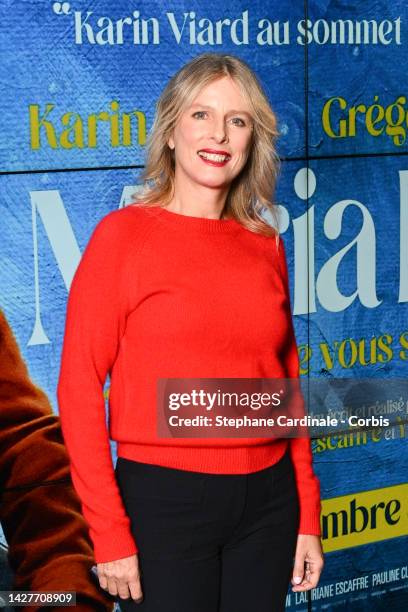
(220, 132)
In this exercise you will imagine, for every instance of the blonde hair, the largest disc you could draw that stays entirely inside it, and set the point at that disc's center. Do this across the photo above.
(251, 191)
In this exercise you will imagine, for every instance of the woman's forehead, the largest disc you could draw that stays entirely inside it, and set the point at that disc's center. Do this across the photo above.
(208, 97)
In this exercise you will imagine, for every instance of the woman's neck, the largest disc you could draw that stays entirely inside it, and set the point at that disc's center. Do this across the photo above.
(198, 200)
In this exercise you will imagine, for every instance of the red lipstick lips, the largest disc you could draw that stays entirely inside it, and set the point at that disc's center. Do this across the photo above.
(212, 161)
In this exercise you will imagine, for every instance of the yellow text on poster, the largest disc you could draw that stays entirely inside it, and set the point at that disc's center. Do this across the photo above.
(364, 517)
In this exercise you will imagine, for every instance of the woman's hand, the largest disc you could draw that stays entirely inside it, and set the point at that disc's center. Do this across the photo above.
(121, 578)
(309, 563)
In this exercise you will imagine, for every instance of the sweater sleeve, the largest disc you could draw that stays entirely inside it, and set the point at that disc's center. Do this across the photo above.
(300, 448)
(97, 308)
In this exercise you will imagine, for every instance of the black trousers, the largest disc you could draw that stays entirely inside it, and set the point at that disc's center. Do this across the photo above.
(210, 542)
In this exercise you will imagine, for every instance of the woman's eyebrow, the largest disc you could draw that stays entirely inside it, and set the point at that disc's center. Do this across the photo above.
(240, 112)
(200, 105)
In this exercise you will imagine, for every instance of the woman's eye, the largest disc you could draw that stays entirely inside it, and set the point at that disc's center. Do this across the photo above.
(240, 122)
(235, 120)
(199, 113)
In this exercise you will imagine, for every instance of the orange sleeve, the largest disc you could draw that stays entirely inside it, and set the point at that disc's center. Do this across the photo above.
(47, 537)
(96, 316)
(307, 482)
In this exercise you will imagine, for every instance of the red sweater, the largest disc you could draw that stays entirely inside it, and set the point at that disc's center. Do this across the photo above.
(156, 295)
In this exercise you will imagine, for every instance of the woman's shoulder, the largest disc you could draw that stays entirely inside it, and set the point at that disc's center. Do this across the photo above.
(270, 242)
(124, 222)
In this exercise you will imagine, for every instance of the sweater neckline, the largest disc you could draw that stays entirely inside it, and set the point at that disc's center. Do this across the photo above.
(198, 224)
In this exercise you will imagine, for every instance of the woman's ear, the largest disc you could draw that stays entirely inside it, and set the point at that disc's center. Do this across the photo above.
(170, 142)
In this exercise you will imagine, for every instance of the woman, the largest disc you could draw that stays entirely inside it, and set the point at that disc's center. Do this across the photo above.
(189, 281)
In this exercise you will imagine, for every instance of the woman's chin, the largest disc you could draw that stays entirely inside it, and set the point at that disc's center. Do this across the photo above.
(214, 182)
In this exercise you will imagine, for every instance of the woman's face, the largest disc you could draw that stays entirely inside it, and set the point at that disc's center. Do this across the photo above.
(212, 139)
